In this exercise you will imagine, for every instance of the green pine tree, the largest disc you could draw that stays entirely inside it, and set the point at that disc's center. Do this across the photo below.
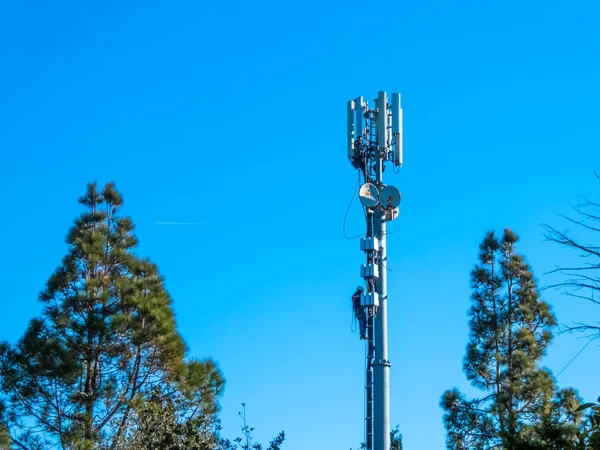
(106, 342)
(4, 436)
(395, 439)
(510, 330)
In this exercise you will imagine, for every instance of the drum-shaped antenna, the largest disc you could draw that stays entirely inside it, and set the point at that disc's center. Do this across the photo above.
(390, 197)
(369, 195)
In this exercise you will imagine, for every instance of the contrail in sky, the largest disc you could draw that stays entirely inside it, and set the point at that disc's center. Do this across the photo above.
(183, 223)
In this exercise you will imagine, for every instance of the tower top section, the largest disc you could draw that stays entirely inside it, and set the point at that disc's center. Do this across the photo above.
(375, 131)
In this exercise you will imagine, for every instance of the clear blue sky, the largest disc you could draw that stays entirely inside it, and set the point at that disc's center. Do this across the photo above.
(233, 114)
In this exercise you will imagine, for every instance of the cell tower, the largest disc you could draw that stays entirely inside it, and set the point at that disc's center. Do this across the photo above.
(374, 139)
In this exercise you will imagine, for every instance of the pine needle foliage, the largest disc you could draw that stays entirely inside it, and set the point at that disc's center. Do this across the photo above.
(88, 373)
(510, 331)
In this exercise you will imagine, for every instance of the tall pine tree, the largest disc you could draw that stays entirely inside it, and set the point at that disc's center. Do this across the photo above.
(510, 330)
(105, 345)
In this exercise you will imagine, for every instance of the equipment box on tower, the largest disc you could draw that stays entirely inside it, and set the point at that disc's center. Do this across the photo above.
(369, 299)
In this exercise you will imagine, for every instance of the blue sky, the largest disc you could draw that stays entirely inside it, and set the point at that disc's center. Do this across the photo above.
(233, 115)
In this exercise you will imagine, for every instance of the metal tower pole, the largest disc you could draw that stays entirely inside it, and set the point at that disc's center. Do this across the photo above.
(381, 365)
(374, 138)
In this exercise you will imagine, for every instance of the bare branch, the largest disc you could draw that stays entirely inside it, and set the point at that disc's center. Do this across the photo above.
(583, 281)
(562, 237)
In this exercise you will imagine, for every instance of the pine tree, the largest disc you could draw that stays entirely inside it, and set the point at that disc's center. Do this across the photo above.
(4, 436)
(395, 439)
(510, 330)
(107, 340)
(179, 418)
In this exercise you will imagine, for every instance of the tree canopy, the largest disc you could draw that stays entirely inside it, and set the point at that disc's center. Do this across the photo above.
(105, 353)
(510, 330)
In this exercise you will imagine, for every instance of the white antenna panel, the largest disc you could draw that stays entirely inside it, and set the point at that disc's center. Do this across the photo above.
(350, 129)
(397, 128)
(359, 122)
(382, 119)
(396, 114)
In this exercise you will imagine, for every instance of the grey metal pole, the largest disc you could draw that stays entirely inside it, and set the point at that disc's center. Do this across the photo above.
(381, 414)
(381, 365)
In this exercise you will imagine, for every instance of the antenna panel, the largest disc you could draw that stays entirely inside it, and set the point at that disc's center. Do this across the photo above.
(397, 128)
(350, 129)
(359, 122)
(396, 114)
(382, 119)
